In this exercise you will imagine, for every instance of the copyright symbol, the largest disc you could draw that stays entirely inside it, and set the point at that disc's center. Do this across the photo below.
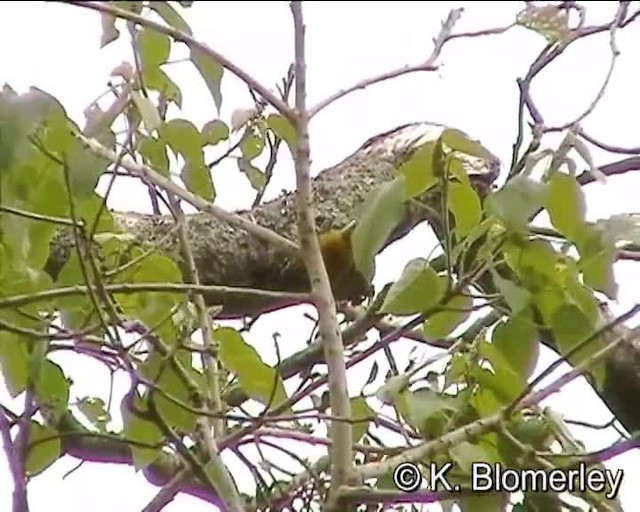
(407, 477)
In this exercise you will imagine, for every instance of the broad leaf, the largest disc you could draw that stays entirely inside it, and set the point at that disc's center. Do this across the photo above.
(259, 380)
(418, 289)
(566, 204)
(211, 72)
(383, 212)
(517, 201)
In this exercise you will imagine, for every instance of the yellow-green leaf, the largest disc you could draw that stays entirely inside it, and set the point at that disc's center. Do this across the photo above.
(259, 380)
(418, 289)
(211, 72)
(566, 204)
(283, 128)
(516, 339)
(44, 448)
(453, 313)
(361, 415)
(148, 111)
(464, 203)
(418, 171)
(517, 201)
(382, 213)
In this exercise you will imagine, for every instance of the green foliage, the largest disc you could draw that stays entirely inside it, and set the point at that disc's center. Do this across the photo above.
(381, 215)
(283, 128)
(361, 415)
(517, 201)
(48, 180)
(418, 289)
(259, 380)
(211, 72)
(184, 139)
(44, 448)
(516, 339)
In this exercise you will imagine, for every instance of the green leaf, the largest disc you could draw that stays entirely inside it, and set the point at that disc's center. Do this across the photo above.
(20, 117)
(516, 339)
(535, 261)
(145, 436)
(259, 380)
(426, 409)
(517, 298)
(517, 201)
(570, 328)
(504, 382)
(252, 145)
(457, 140)
(197, 179)
(152, 307)
(566, 204)
(453, 313)
(418, 171)
(13, 361)
(214, 132)
(283, 128)
(44, 448)
(486, 401)
(361, 415)
(464, 204)
(154, 153)
(418, 289)
(148, 111)
(183, 138)
(155, 79)
(171, 16)
(84, 167)
(597, 256)
(95, 410)
(155, 48)
(256, 177)
(170, 380)
(382, 213)
(211, 72)
(53, 387)
(466, 454)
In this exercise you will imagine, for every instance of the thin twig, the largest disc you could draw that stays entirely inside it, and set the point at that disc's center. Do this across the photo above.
(428, 65)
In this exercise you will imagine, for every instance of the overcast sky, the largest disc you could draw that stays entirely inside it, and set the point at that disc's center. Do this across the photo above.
(56, 48)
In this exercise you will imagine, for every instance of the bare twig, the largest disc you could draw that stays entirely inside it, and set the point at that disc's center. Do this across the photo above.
(615, 52)
(428, 65)
(609, 147)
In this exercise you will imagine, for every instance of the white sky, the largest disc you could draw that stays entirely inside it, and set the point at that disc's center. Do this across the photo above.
(56, 47)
